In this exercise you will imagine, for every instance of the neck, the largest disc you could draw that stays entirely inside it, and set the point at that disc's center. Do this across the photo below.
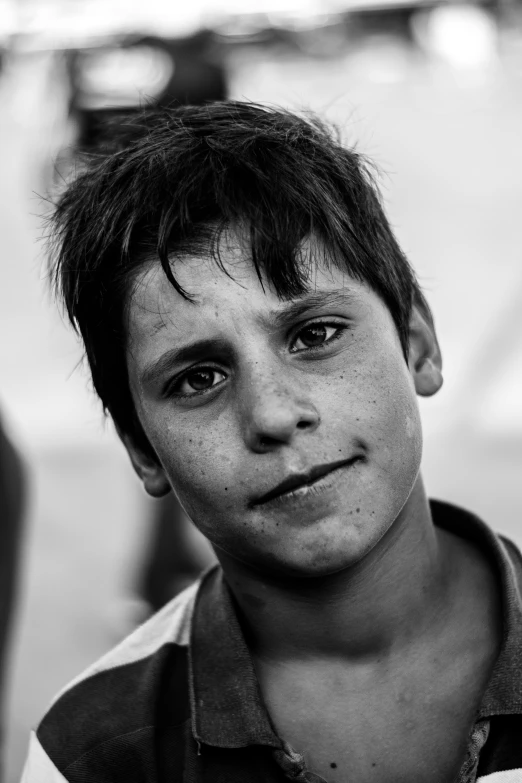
(396, 593)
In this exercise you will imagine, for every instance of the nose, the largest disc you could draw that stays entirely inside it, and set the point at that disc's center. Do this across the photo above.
(274, 412)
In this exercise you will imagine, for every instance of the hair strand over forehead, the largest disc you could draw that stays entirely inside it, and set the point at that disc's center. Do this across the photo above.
(169, 182)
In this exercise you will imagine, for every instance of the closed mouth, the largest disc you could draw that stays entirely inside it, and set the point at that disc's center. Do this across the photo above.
(291, 483)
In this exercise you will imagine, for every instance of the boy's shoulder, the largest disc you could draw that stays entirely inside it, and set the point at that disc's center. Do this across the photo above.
(514, 557)
(144, 711)
(121, 704)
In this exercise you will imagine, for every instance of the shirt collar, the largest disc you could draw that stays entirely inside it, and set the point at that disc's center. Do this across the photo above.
(226, 702)
(503, 695)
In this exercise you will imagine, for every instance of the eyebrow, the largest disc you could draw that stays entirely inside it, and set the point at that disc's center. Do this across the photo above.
(188, 353)
(274, 320)
(298, 308)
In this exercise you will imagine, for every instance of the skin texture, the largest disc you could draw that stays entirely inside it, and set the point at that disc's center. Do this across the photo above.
(277, 409)
(349, 597)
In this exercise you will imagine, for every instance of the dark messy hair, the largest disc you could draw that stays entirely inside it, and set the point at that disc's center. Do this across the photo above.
(170, 181)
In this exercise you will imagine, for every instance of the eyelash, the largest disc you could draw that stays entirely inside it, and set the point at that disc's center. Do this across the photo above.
(170, 392)
(340, 329)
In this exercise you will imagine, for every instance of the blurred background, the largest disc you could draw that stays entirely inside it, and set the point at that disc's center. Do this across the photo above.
(431, 91)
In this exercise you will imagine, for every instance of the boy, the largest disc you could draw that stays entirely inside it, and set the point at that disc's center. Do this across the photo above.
(259, 339)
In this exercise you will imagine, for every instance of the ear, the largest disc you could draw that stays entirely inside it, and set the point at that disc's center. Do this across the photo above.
(425, 360)
(147, 467)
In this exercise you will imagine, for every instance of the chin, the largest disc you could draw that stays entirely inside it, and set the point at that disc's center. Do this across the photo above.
(320, 561)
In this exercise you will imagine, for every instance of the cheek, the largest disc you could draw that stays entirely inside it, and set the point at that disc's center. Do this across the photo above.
(397, 421)
(377, 403)
(200, 467)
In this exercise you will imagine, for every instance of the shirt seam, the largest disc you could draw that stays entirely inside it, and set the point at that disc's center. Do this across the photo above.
(106, 742)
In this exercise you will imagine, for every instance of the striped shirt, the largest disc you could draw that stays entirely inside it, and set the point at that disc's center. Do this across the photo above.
(179, 701)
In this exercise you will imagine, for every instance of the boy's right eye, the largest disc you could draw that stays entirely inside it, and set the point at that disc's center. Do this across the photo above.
(196, 381)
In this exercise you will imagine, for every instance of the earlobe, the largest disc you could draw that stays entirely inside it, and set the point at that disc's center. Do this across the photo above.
(425, 360)
(428, 378)
(148, 469)
(156, 485)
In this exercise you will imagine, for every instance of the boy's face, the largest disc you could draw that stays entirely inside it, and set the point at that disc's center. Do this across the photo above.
(240, 391)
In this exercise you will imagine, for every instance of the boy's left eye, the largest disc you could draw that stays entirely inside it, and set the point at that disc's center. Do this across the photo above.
(316, 336)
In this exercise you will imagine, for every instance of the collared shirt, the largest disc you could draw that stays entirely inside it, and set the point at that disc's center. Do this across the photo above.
(179, 700)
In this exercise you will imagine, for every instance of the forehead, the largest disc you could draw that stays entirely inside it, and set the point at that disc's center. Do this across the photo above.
(226, 294)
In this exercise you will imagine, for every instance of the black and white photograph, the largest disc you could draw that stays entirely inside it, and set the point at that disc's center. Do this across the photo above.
(261, 391)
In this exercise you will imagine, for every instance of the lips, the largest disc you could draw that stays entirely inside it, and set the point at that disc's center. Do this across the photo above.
(301, 480)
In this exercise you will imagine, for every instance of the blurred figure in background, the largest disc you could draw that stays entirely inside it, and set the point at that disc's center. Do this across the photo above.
(113, 80)
(170, 72)
(198, 75)
(177, 555)
(12, 503)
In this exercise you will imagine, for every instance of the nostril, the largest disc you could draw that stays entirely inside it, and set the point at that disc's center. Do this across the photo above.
(303, 425)
(266, 442)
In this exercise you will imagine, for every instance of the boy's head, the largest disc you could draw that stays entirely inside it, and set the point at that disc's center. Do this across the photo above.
(249, 319)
